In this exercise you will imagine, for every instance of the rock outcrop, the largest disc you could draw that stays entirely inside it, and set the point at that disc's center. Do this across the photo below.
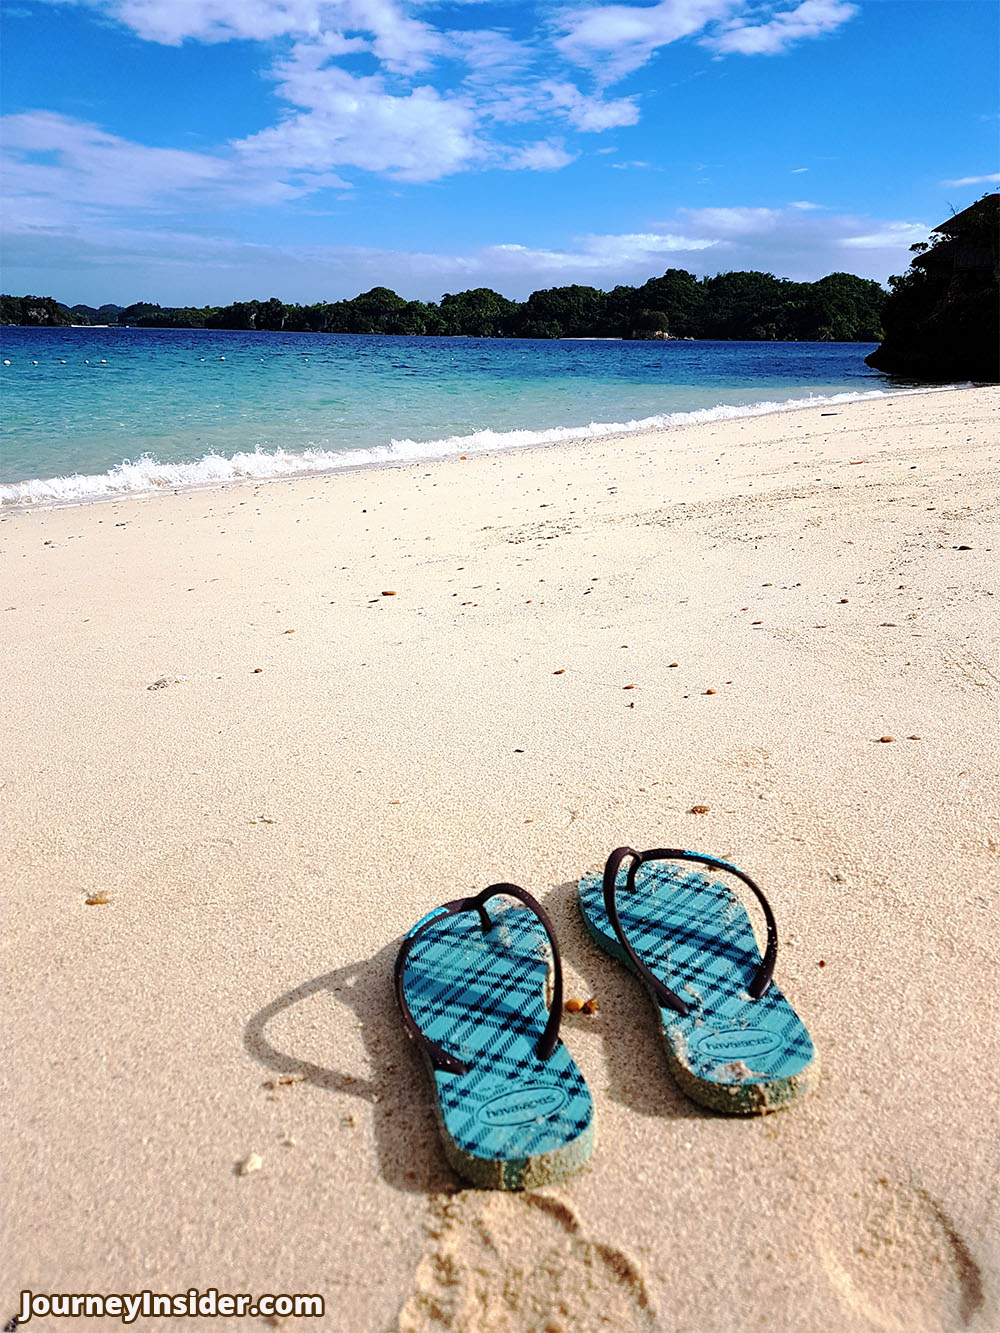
(942, 320)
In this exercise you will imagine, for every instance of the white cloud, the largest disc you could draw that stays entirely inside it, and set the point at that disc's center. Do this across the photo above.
(612, 40)
(350, 121)
(171, 21)
(804, 206)
(524, 99)
(547, 155)
(733, 222)
(485, 51)
(420, 135)
(55, 166)
(890, 236)
(615, 39)
(385, 28)
(991, 179)
(797, 171)
(812, 18)
(402, 42)
(589, 113)
(49, 146)
(804, 243)
(593, 255)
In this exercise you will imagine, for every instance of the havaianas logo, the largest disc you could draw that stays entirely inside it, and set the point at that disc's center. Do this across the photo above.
(738, 1043)
(522, 1106)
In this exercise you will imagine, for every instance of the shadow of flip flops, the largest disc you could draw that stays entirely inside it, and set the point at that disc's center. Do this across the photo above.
(393, 1086)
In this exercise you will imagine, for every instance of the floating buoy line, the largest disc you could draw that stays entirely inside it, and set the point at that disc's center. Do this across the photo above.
(103, 361)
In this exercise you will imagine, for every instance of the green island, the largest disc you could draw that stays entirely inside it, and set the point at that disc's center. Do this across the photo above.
(746, 306)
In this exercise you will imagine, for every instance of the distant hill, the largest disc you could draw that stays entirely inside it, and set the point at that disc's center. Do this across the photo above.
(86, 314)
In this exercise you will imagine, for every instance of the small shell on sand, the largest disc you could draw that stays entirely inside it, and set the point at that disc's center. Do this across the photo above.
(573, 1006)
(700, 809)
(252, 1162)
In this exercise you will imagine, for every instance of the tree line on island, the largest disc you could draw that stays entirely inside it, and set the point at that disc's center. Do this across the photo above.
(752, 306)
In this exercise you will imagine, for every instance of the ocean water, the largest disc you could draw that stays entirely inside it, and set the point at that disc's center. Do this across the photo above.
(94, 412)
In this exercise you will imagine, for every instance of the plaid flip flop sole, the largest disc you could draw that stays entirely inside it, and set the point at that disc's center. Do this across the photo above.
(731, 1052)
(509, 1119)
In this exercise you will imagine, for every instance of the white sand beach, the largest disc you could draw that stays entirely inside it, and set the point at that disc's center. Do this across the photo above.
(217, 720)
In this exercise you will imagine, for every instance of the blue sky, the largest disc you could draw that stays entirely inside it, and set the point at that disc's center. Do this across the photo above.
(204, 151)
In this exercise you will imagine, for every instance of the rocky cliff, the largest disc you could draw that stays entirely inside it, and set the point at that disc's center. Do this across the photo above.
(942, 320)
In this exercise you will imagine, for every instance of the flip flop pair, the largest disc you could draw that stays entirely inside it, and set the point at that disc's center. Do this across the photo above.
(480, 991)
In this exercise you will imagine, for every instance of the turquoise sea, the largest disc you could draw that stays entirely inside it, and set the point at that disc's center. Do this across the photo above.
(92, 412)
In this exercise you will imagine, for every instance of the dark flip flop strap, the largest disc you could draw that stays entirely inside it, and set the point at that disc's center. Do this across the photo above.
(439, 1057)
(762, 977)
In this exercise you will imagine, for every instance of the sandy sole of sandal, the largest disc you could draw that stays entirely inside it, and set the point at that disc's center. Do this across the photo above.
(515, 1173)
(729, 1098)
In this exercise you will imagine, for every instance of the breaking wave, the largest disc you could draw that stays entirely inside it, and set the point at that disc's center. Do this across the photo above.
(147, 474)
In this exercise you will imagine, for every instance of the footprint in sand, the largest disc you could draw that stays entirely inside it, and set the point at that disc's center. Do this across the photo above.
(899, 1263)
(503, 1262)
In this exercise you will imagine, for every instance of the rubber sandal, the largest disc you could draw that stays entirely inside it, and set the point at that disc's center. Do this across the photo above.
(481, 995)
(733, 1041)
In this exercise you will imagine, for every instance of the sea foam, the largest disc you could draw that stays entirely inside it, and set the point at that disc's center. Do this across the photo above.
(147, 474)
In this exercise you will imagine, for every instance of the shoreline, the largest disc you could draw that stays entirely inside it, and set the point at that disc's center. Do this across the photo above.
(237, 770)
(480, 443)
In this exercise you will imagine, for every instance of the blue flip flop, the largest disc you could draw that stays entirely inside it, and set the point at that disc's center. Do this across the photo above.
(481, 995)
(733, 1041)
